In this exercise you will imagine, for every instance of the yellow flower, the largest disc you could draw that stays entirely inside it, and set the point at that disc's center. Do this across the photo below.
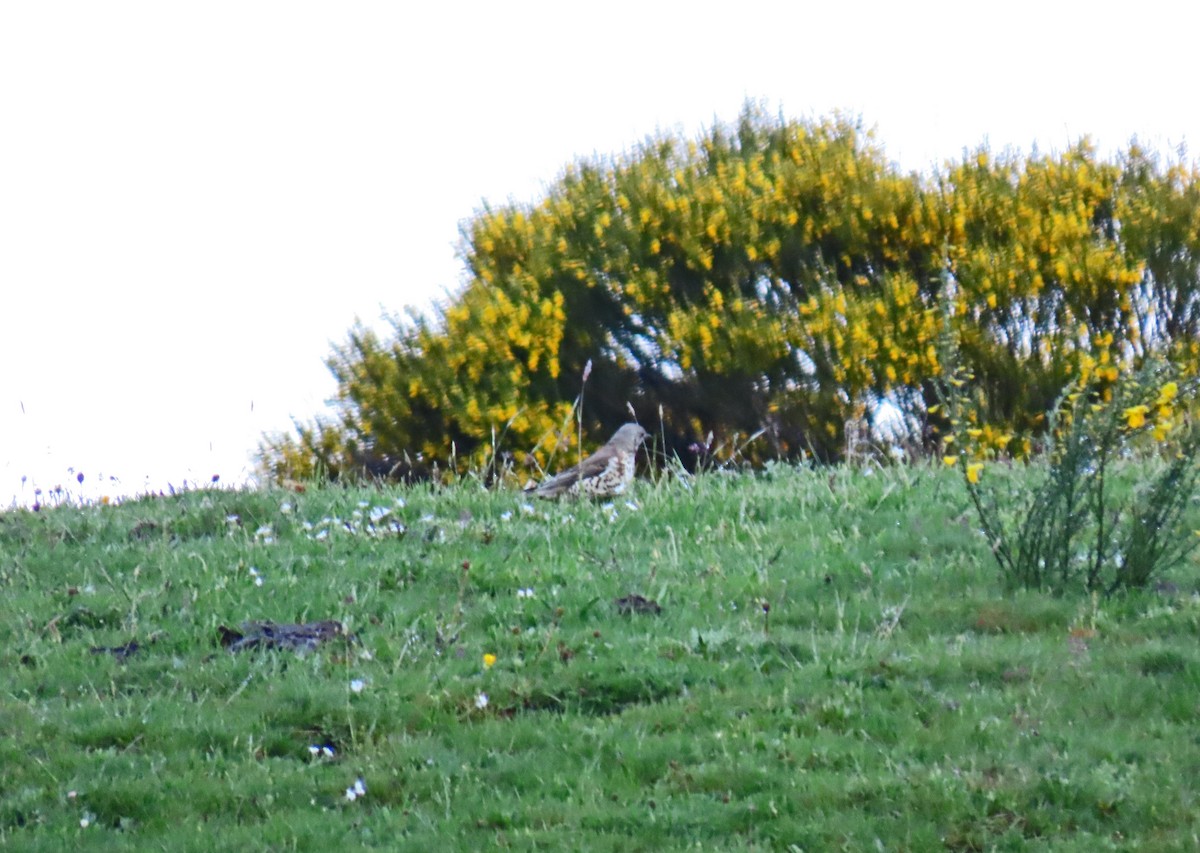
(1135, 416)
(973, 472)
(1166, 394)
(950, 460)
(489, 660)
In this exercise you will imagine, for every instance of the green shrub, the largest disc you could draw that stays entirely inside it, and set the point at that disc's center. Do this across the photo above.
(1106, 506)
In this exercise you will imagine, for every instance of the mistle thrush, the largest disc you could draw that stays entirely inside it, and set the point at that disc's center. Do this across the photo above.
(605, 473)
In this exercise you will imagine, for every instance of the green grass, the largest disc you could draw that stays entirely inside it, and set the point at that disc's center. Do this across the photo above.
(893, 697)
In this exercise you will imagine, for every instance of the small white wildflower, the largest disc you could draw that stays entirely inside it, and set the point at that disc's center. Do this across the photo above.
(360, 787)
(328, 750)
(307, 526)
(365, 654)
(364, 504)
(632, 505)
(322, 535)
(378, 513)
(527, 508)
(427, 517)
(313, 749)
(525, 592)
(608, 507)
(357, 685)
(400, 502)
(264, 530)
(72, 795)
(285, 507)
(232, 519)
(86, 820)
(506, 515)
(481, 701)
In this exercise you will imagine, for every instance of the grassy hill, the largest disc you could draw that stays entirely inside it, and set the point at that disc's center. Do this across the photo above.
(833, 665)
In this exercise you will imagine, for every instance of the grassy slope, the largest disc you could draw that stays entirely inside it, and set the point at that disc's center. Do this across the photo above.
(895, 694)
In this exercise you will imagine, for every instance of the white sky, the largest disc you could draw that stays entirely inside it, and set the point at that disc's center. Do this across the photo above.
(196, 199)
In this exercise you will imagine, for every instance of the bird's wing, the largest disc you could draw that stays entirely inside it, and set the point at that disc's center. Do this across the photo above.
(563, 480)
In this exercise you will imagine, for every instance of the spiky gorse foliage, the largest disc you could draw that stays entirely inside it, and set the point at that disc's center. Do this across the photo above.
(1062, 529)
(773, 275)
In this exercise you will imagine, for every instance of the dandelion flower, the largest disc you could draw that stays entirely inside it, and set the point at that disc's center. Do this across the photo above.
(973, 472)
(950, 460)
(489, 660)
(1167, 393)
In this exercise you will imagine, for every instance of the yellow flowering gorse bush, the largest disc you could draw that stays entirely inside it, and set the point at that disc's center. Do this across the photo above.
(783, 276)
